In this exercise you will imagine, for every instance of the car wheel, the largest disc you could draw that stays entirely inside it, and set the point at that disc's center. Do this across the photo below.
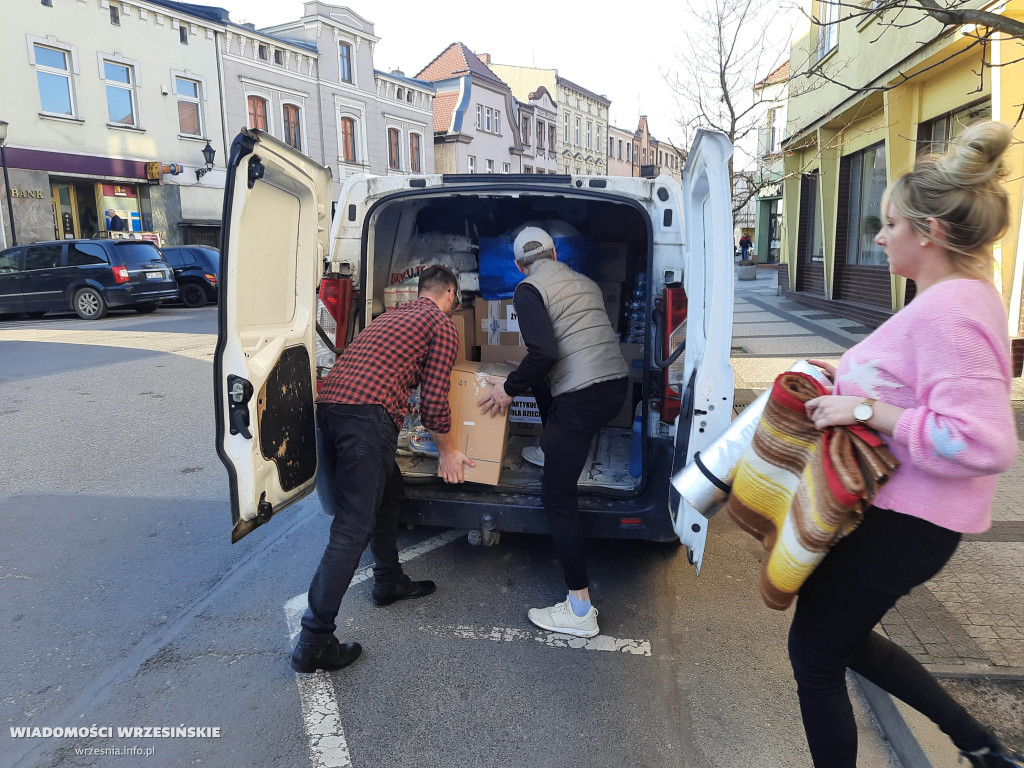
(144, 309)
(90, 304)
(35, 315)
(192, 295)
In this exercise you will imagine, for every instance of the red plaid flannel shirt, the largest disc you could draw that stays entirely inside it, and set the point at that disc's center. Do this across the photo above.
(414, 344)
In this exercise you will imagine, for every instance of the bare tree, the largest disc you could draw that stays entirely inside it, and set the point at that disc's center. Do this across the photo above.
(723, 54)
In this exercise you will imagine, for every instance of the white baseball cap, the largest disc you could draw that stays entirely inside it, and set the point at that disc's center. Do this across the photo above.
(530, 241)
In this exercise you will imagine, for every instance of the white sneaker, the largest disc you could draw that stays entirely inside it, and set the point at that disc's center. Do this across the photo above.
(560, 618)
(534, 454)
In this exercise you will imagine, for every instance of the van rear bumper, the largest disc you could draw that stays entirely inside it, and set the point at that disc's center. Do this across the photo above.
(600, 516)
(125, 296)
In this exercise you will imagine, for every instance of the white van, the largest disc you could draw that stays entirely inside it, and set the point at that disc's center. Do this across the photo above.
(278, 233)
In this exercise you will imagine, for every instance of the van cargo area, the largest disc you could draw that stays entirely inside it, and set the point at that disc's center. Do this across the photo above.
(607, 239)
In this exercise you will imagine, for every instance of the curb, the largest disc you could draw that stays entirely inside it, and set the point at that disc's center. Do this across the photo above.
(894, 727)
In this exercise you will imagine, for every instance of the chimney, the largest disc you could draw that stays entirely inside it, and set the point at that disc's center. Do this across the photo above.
(397, 73)
(484, 57)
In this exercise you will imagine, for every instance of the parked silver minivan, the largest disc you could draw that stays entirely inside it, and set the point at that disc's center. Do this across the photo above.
(278, 234)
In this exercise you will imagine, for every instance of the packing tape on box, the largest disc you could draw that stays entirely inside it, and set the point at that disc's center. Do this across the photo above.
(707, 480)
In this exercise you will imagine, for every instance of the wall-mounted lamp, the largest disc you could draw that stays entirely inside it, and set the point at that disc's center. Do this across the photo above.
(209, 153)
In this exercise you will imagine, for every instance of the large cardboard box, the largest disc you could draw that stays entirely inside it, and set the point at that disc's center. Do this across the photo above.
(611, 262)
(496, 322)
(502, 353)
(524, 417)
(480, 437)
(462, 323)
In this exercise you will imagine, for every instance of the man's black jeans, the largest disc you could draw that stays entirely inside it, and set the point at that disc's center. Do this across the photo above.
(570, 424)
(363, 487)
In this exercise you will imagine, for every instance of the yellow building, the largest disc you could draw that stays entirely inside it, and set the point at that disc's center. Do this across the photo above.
(867, 96)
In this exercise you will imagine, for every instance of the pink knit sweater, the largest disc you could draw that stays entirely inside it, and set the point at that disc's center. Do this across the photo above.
(945, 358)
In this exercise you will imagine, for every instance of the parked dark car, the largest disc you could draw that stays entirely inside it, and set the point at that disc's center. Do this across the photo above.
(196, 270)
(88, 276)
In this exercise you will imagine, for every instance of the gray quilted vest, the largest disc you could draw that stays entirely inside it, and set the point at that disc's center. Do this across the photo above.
(588, 352)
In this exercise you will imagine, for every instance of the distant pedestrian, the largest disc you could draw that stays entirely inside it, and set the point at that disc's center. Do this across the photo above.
(936, 379)
(116, 223)
(745, 245)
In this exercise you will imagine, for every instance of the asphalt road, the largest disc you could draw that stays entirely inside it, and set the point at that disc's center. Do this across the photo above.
(125, 605)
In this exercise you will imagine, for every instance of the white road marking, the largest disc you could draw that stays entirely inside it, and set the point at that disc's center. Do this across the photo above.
(199, 346)
(328, 747)
(551, 639)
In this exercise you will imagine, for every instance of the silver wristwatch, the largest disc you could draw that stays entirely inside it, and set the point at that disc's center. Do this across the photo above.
(863, 412)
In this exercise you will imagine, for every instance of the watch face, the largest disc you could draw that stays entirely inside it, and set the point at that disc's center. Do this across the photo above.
(862, 412)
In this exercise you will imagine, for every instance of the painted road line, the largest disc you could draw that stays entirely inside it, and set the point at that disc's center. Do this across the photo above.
(328, 747)
(550, 639)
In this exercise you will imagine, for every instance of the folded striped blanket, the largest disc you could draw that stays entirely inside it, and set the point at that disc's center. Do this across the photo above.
(799, 490)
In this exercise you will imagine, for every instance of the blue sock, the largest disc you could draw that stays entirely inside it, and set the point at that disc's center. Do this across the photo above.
(579, 607)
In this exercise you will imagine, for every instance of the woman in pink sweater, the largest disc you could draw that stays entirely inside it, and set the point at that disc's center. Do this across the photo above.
(936, 379)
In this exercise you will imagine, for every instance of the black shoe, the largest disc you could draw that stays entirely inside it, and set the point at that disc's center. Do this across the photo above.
(403, 589)
(334, 655)
(997, 756)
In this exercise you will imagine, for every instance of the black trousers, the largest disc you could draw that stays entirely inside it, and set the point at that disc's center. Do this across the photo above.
(570, 422)
(859, 580)
(362, 485)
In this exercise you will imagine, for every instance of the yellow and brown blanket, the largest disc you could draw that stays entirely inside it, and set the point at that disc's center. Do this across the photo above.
(799, 490)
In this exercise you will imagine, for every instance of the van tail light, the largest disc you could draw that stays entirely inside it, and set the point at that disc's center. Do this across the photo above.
(674, 306)
(120, 275)
(334, 309)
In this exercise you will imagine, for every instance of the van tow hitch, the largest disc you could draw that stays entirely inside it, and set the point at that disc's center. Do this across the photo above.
(486, 533)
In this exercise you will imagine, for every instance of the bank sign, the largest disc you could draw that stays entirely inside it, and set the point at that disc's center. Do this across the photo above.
(33, 193)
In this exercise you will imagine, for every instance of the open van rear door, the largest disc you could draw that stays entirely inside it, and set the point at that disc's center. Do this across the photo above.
(277, 216)
(707, 396)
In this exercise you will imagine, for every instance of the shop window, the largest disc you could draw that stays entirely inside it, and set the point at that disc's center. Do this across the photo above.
(866, 173)
(345, 55)
(53, 74)
(292, 125)
(348, 139)
(120, 85)
(258, 113)
(394, 154)
(190, 114)
(414, 152)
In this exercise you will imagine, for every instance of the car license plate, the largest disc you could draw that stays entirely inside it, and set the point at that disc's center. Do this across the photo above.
(154, 275)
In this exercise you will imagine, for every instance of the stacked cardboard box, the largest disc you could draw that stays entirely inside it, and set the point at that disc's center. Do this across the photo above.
(480, 437)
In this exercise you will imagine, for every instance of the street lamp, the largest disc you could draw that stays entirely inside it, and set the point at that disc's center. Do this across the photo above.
(209, 153)
(7, 181)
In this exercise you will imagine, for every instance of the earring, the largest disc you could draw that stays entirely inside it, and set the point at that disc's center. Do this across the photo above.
(924, 243)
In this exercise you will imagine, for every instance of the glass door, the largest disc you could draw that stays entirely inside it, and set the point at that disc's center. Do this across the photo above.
(65, 209)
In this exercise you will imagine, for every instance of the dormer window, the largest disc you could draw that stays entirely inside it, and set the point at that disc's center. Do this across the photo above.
(262, 52)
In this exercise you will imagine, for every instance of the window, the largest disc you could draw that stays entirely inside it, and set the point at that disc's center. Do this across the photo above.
(183, 34)
(490, 166)
(620, 150)
(611, 146)
(828, 27)
(190, 121)
(540, 134)
(526, 130)
(497, 121)
(506, 168)
(471, 163)
(527, 169)
(345, 58)
(115, 16)
(348, 139)
(866, 174)
(590, 131)
(279, 56)
(935, 135)
(401, 93)
(488, 118)
(262, 52)
(629, 149)
(414, 152)
(54, 77)
(292, 126)
(565, 136)
(120, 83)
(258, 113)
(83, 254)
(394, 158)
(42, 257)
(577, 132)
(479, 116)
(551, 135)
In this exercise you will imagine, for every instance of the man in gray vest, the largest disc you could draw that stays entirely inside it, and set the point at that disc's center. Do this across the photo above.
(572, 349)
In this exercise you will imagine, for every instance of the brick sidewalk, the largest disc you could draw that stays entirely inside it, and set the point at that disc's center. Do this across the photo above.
(967, 621)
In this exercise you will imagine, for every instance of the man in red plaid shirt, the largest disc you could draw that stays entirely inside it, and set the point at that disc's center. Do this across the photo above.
(360, 410)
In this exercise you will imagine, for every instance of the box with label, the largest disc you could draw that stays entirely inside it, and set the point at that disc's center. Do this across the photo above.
(524, 417)
(634, 357)
(611, 261)
(496, 322)
(480, 437)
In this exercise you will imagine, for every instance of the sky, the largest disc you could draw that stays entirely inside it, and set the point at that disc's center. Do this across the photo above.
(598, 44)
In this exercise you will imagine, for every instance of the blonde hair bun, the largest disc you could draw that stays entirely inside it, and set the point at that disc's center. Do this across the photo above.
(976, 157)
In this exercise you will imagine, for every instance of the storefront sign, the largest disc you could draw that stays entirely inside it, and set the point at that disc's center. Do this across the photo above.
(118, 190)
(34, 193)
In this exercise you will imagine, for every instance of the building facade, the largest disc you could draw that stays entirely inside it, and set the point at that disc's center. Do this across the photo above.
(105, 100)
(538, 126)
(772, 91)
(582, 116)
(638, 153)
(842, 147)
(620, 152)
(477, 125)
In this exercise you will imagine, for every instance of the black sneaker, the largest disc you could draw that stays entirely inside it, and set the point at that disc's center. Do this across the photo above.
(334, 655)
(996, 757)
(403, 589)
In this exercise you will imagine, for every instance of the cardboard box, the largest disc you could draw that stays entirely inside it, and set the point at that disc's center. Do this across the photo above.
(634, 356)
(611, 293)
(524, 417)
(501, 353)
(611, 262)
(468, 317)
(480, 437)
(496, 323)
(460, 325)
